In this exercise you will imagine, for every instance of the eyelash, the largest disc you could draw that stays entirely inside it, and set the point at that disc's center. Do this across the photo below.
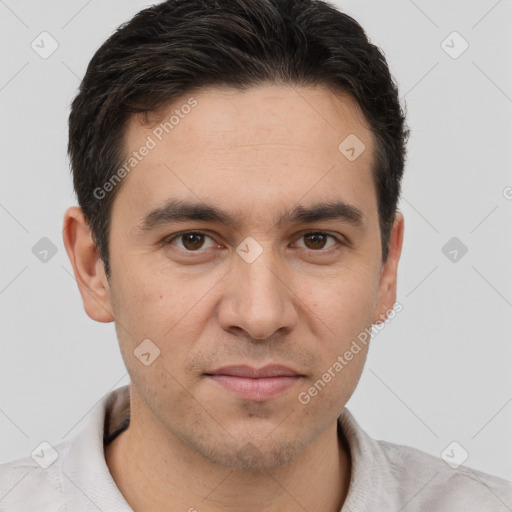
(339, 241)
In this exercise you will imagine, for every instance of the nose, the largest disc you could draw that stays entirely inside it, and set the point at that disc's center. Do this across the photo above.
(259, 298)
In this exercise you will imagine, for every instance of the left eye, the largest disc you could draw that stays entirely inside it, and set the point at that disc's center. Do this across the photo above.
(193, 241)
(318, 239)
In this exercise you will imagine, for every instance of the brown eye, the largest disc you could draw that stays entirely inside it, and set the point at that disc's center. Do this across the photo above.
(317, 240)
(190, 241)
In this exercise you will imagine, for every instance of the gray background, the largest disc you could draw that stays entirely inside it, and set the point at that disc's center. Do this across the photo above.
(439, 372)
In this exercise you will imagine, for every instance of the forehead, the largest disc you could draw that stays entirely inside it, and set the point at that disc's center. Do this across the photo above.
(268, 144)
(273, 110)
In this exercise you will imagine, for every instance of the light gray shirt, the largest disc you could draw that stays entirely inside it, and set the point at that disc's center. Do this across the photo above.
(72, 476)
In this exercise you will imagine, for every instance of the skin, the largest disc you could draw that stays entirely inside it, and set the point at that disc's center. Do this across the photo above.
(301, 303)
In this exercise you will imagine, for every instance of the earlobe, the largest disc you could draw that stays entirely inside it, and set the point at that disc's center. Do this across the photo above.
(388, 279)
(87, 266)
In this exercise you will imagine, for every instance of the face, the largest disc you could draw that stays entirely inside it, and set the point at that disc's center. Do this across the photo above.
(252, 270)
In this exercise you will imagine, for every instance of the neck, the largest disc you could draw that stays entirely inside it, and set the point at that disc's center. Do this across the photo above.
(152, 469)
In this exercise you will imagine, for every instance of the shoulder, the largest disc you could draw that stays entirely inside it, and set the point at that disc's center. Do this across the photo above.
(28, 485)
(389, 477)
(72, 474)
(429, 481)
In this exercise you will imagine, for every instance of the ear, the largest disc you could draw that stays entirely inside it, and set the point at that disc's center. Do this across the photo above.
(388, 278)
(87, 266)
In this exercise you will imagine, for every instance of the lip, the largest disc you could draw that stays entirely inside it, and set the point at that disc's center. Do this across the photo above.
(270, 370)
(258, 384)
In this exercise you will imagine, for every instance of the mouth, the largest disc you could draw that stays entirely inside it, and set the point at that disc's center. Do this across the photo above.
(257, 384)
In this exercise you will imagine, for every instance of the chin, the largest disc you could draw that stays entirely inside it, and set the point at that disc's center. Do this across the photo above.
(252, 453)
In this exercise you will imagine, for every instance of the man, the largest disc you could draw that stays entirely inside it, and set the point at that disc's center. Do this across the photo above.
(238, 167)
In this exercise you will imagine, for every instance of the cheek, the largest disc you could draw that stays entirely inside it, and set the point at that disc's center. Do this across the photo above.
(143, 294)
(161, 304)
(343, 314)
(345, 301)
(327, 392)
(148, 307)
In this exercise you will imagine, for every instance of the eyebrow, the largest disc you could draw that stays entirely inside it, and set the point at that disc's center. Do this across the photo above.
(183, 211)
